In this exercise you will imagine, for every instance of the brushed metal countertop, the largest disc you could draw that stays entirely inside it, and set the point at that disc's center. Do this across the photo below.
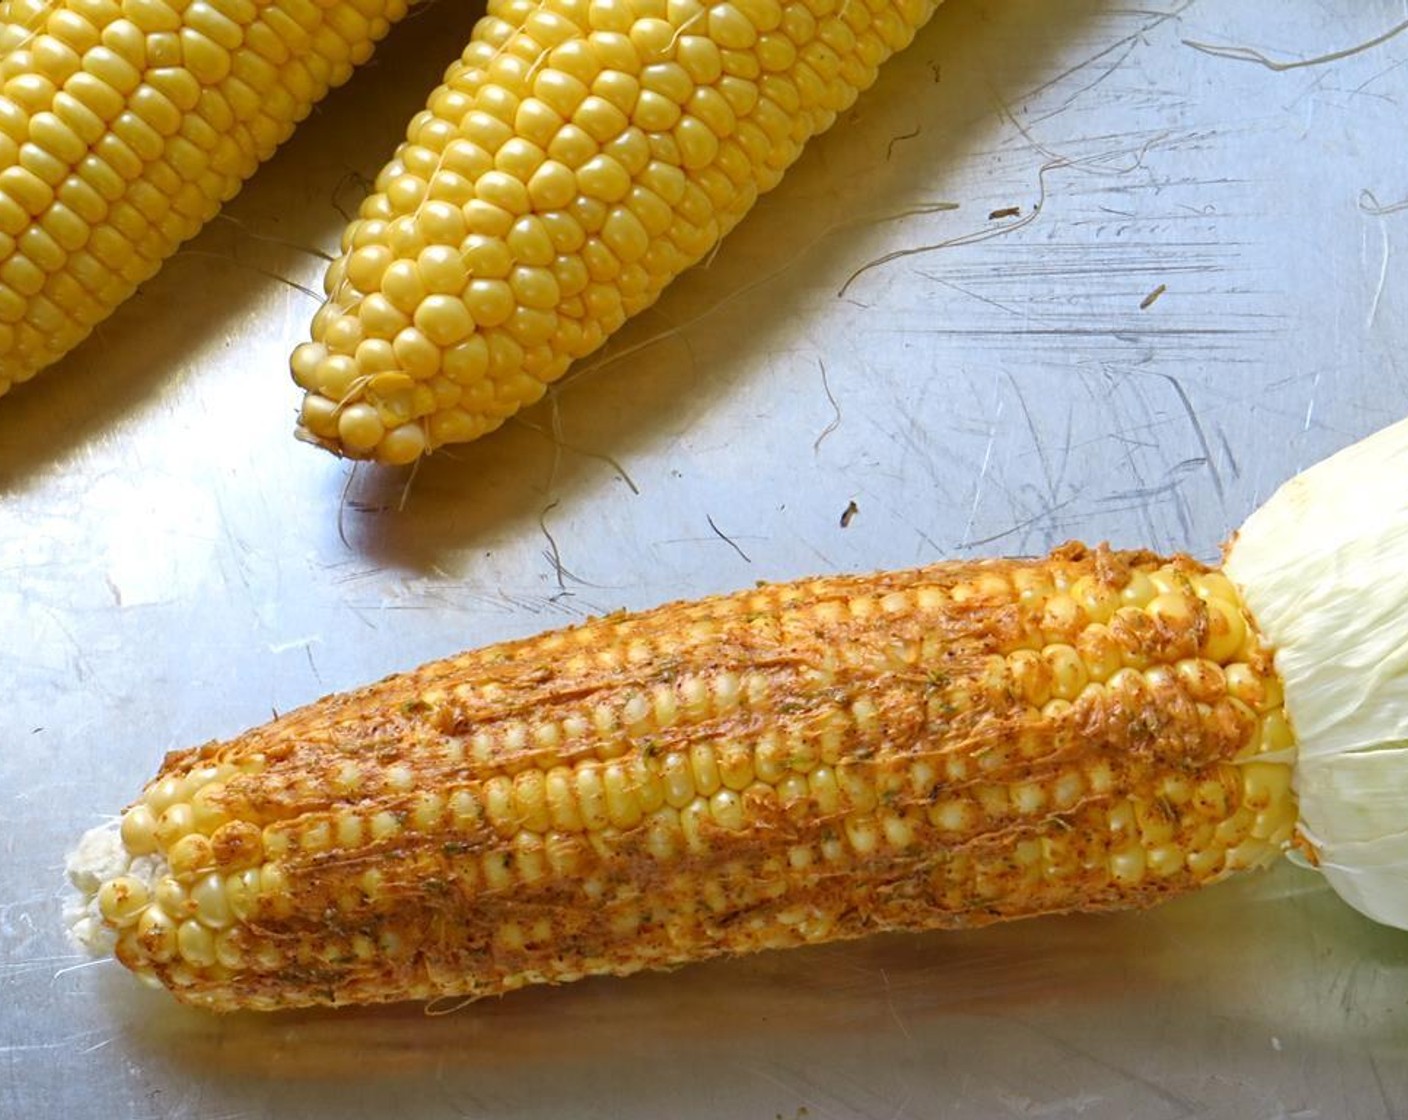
(1199, 289)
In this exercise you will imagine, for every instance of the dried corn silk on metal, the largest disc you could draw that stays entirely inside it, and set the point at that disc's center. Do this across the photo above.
(578, 157)
(793, 764)
(124, 127)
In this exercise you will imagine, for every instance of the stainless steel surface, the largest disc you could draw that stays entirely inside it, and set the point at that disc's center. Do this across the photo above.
(1201, 290)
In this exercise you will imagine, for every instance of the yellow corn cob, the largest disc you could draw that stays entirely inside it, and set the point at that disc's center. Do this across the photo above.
(798, 763)
(124, 126)
(578, 157)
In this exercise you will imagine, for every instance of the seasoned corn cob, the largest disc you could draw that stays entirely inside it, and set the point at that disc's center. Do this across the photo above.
(125, 125)
(798, 763)
(578, 157)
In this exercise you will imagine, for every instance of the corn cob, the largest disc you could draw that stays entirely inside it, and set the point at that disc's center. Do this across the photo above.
(798, 763)
(578, 157)
(124, 126)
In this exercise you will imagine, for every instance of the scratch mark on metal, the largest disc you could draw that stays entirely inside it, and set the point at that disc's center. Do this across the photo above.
(982, 477)
(1249, 54)
(925, 538)
(1379, 1083)
(1227, 453)
(34, 966)
(1035, 433)
(1066, 441)
(937, 279)
(1143, 494)
(293, 643)
(890, 1007)
(727, 539)
(1186, 1107)
(1383, 275)
(1090, 163)
(1088, 332)
(1017, 527)
(1104, 76)
(56, 1044)
(1184, 514)
(1385, 72)
(1152, 298)
(82, 965)
(1208, 457)
(1310, 405)
(903, 1106)
(830, 396)
(1128, 41)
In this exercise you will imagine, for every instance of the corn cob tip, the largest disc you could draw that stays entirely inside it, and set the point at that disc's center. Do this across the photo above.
(97, 858)
(400, 447)
(578, 157)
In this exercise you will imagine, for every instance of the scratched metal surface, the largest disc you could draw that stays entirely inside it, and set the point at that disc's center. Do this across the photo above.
(1200, 288)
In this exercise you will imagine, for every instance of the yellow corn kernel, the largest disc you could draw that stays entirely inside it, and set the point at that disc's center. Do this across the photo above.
(120, 140)
(593, 120)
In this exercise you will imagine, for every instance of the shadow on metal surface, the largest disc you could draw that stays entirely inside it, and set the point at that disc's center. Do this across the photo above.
(950, 993)
(201, 299)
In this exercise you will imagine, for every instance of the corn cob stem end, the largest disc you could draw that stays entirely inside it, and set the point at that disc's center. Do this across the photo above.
(1321, 565)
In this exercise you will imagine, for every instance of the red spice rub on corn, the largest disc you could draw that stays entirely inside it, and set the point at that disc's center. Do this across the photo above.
(797, 763)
